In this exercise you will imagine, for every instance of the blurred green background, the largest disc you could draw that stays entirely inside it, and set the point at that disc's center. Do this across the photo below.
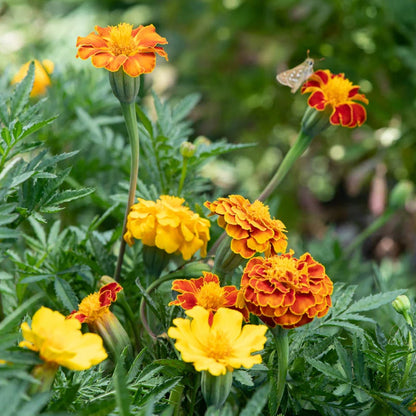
(230, 51)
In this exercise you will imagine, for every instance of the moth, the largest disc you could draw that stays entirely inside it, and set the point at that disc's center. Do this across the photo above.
(296, 76)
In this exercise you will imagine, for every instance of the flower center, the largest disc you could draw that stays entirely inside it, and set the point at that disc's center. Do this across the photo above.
(259, 211)
(210, 296)
(91, 307)
(284, 270)
(337, 90)
(121, 41)
(218, 346)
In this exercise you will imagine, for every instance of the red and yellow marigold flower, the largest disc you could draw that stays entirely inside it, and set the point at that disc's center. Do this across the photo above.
(42, 76)
(206, 292)
(286, 291)
(96, 305)
(168, 225)
(94, 310)
(250, 226)
(338, 94)
(113, 47)
(218, 347)
(60, 341)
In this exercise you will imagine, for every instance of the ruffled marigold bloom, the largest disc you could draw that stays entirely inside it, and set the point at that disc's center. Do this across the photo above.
(206, 292)
(113, 47)
(219, 347)
(338, 93)
(168, 225)
(60, 341)
(286, 291)
(42, 80)
(249, 225)
(96, 305)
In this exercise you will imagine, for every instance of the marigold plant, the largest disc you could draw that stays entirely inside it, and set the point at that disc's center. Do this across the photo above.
(42, 76)
(206, 292)
(221, 346)
(337, 93)
(168, 225)
(286, 291)
(113, 47)
(250, 226)
(60, 341)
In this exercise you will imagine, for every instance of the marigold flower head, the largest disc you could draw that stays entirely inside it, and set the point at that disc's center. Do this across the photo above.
(42, 79)
(60, 341)
(339, 94)
(168, 225)
(412, 406)
(286, 291)
(96, 305)
(206, 292)
(113, 47)
(221, 346)
(250, 226)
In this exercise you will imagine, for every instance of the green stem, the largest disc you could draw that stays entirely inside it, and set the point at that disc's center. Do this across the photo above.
(282, 349)
(409, 359)
(175, 399)
(133, 321)
(129, 112)
(374, 226)
(301, 144)
(183, 175)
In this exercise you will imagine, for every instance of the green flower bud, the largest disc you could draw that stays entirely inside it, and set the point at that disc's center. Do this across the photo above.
(401, 194)
(314, 122)
(216, 389)
(124, 87)
(187, 149)
(402, 305)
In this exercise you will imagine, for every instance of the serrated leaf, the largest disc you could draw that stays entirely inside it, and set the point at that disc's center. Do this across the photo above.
(185, 106)
(100, 408)
(39, 231)
(243, 377)
(65, 294)
(69, 195)
(33, 127)
(326, 369)
(135, 367)
(361, 395)
(121, 391)
(21, 94)
(257, 402)
(372, 302)
(147, 124)
(342, 389)
(345, 295)
(8, 233)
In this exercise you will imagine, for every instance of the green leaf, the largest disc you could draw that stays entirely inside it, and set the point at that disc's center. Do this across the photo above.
(121, 391)
(326, 369)
(374, 301)
(35, 405)
(257, 402)
(21, 94)
(69, 195)
(243, 377)
(98, 408)
(14, 317)
(184, 107)
(8, 233)
(33, 127)
(65, 294)
(147, 124)
(135, 367)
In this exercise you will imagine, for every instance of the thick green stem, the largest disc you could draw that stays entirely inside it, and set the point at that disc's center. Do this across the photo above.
(129, 112)
(409, 359)
(282, 349)
(301, 144)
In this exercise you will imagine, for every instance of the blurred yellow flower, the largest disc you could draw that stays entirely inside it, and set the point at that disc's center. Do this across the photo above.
(168, 225)
(221, 346)
(60, 341)
(42, 79)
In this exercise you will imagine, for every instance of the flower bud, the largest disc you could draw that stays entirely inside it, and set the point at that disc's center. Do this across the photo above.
(216, 389)
(401, 194)
(402, 305)
(124, 87)
(187, 149)
(314, 122)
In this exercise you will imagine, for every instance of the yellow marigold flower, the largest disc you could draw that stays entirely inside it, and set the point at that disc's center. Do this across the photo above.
(286, 291)
(42, 79)
(168, 225)
(206, 291)
(249, 225)
(219, 347)
(113, 47)
(60, 341)
(337, 93)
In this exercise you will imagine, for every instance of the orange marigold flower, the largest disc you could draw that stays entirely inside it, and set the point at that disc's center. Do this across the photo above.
(206, 292)
(249, 225)
(96, 305)
(286, 291)
(42, 79)
(168, 225)
(412, 406)
(338, 93)
(113, 47)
